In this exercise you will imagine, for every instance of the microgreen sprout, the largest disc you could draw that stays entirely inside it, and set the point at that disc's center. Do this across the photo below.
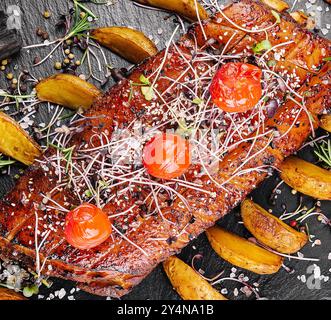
(197, 101)
(146, 88)
(276, 15)
(67, 154)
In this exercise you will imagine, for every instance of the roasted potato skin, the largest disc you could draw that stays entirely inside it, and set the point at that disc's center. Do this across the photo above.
(307, 178)
(270, 230)
(325, 122)
(6, 294)
(128, 43)
(278, 5)
(299, 17)
(188, 283)
(15, 142)
(243, 253)
(185, 8)
(67, 90)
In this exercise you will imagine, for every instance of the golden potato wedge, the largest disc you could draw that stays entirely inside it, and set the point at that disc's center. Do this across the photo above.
(128, 43)
(6, 294)
(185, 8)
(188, 283)
(278, 5)
(15, 142)
(270, 230)
(307, 178)
(67, 90)
(299, 17)
(325, 122)
(243, 253)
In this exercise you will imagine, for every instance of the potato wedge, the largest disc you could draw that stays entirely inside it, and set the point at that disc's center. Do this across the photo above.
(6, 294)
(278, 5)
(185, 8)
(67, 90)
(15, 142)
(188, 283)
(299, 17)
(325, 122)
(270, 230)
(307, 178)
(128, 43)
(243, 253)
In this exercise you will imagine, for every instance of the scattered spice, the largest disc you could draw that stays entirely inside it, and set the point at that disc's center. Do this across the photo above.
(58, 65)
(9, 76)
(46, 14)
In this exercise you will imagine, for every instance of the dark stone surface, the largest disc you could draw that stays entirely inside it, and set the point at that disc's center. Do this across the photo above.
(279, 286)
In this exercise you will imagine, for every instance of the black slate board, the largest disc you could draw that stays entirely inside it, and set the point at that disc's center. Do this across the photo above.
(280, 286)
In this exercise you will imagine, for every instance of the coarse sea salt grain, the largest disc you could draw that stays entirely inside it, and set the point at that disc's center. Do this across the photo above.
(61, 293)
(235, 292)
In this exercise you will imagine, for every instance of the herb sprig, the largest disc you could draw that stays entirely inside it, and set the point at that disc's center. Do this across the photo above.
(5, 163)
(323, 152)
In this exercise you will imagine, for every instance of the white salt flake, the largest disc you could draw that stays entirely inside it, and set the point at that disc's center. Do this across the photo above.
(62, 293)
(235, 292)
(325, 31)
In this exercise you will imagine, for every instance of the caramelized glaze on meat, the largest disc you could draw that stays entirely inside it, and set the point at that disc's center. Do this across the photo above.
(142, 240)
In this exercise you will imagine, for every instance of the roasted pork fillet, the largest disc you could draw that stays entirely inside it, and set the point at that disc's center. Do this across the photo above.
(154, 219)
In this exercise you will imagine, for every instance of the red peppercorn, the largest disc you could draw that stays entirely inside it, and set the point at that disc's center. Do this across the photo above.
(293, 223)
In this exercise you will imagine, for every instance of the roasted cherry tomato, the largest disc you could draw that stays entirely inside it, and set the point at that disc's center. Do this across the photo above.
(167, 156)
(87, 226)
(236, 87)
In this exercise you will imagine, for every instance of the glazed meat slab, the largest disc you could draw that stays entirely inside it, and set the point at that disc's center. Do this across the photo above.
(154, 219)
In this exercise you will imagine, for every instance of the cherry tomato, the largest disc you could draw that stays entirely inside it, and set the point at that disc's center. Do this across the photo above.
(87, 226)
(236, 87)
(167, 156)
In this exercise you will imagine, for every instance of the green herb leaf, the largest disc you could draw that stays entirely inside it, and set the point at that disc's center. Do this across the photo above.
(271, 63)
(197, 101)
(144, 80)
(148, 92)
(327, 59)
(276, 15)
(262, 46)
(88, 193)
(28, 292)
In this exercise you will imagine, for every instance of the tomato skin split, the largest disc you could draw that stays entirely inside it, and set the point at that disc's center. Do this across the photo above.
(167, 156)
(87, 226)
(236, 87)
